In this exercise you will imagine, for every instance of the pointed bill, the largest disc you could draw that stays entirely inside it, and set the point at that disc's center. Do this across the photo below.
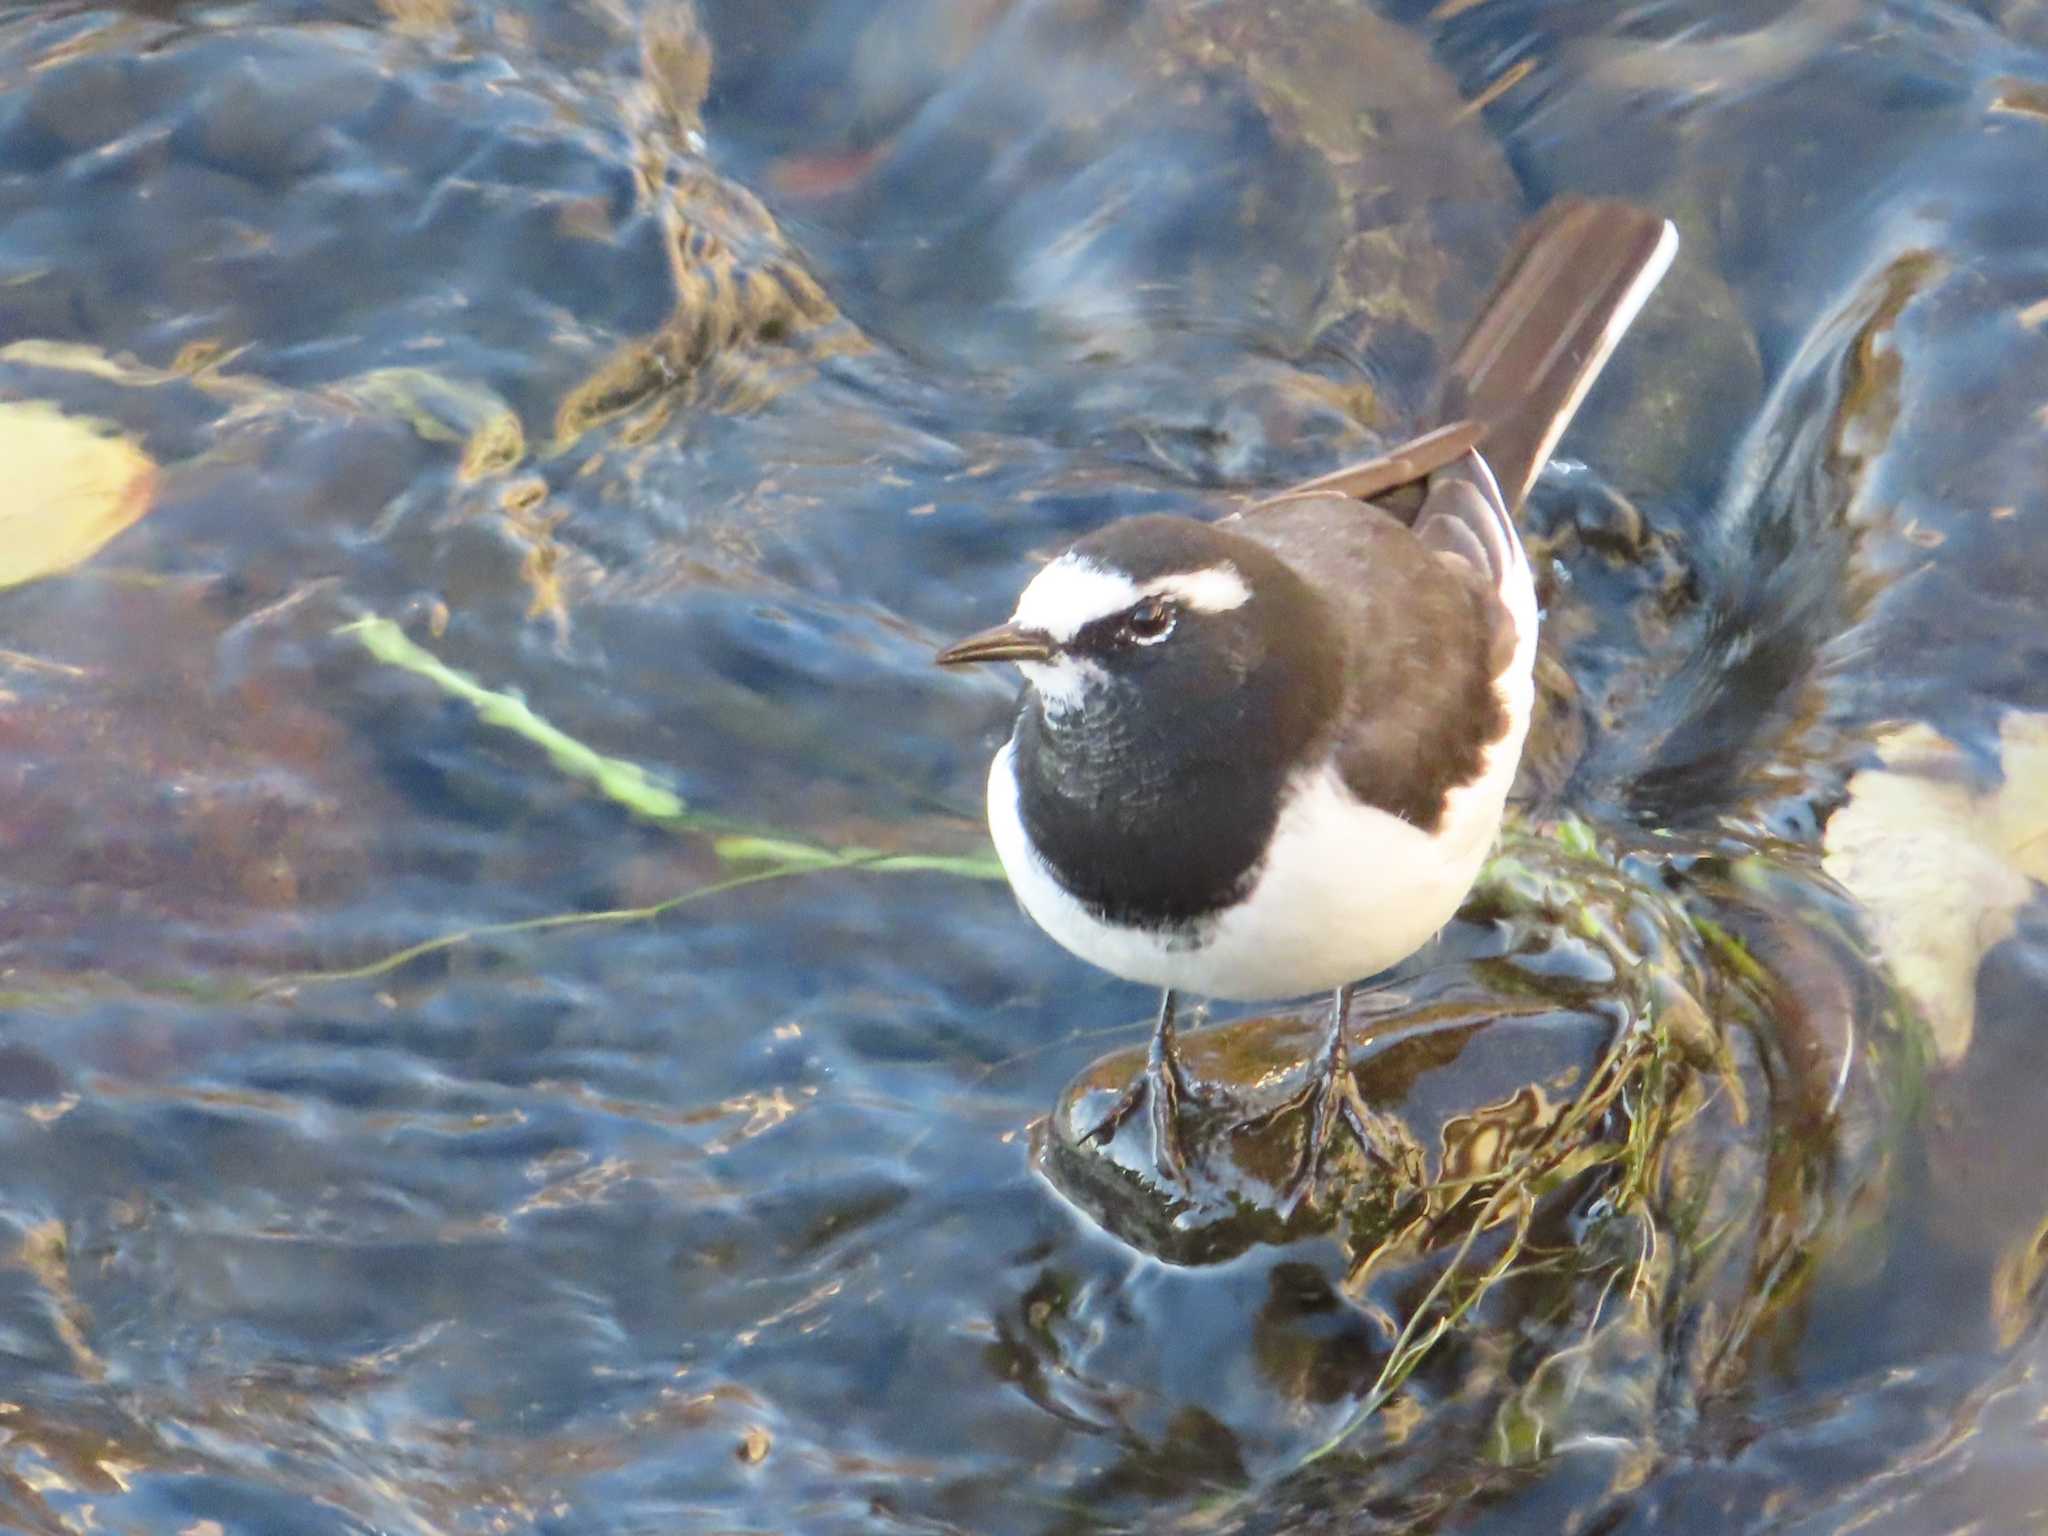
(1005, 642)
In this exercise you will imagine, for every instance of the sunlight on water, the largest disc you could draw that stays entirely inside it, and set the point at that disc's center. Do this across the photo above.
(510, 1021)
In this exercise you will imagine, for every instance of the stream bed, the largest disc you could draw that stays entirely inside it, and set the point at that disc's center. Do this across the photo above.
(508, 1018)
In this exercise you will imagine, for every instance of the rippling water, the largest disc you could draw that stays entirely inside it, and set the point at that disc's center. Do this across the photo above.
(688, 377)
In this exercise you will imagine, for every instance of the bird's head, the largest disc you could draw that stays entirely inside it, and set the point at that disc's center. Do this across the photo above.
(1159, 630)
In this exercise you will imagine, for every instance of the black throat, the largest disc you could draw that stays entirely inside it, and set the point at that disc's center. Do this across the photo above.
(1154, 804)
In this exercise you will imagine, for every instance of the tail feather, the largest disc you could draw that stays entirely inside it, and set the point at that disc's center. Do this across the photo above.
(1575, 280)
(1463, 515)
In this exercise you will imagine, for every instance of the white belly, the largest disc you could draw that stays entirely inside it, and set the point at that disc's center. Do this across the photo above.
(1346, 889)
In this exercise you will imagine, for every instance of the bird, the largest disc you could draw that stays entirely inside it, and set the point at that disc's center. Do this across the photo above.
(1264, 755)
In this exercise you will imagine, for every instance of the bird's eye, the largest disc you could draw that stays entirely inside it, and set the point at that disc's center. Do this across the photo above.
(1150, 621)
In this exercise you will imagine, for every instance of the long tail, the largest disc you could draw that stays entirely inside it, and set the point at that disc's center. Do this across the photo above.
(1575, 280)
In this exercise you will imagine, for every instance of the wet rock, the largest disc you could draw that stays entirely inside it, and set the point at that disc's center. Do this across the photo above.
(1660, 418)
(273, 121)
(144, 804)
(1455, 1117)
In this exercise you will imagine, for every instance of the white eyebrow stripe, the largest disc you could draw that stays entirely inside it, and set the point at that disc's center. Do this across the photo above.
(1215, 590)
(1073, 592)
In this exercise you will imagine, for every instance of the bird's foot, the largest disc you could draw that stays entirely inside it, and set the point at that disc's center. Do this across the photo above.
(1333, 1097)
(1160, 1088)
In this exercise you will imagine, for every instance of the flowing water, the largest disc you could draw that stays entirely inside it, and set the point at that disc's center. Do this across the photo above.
(416, 1118)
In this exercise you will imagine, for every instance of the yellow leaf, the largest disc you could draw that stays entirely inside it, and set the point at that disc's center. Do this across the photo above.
(1940, 867)
(71, 484)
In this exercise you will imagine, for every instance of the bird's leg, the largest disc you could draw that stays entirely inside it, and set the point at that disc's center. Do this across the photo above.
(1333, 1095)
(1161, 1086)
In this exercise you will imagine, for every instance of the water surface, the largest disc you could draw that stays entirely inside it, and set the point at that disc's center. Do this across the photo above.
(690, 378)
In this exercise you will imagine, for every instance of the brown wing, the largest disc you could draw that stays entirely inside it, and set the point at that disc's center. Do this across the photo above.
(1419, 660)
(1417, 548)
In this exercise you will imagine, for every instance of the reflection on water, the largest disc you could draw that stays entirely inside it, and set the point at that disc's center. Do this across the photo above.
(675, 377)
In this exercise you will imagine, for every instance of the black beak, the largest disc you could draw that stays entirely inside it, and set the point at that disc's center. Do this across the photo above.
(1006, 642)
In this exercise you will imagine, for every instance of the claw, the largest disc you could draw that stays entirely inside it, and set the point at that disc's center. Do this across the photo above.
(1162, 1087)
(1155, 1090)
(1331, 1096)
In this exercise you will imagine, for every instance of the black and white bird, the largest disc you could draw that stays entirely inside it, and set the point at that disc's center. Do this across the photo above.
(1266, 756)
